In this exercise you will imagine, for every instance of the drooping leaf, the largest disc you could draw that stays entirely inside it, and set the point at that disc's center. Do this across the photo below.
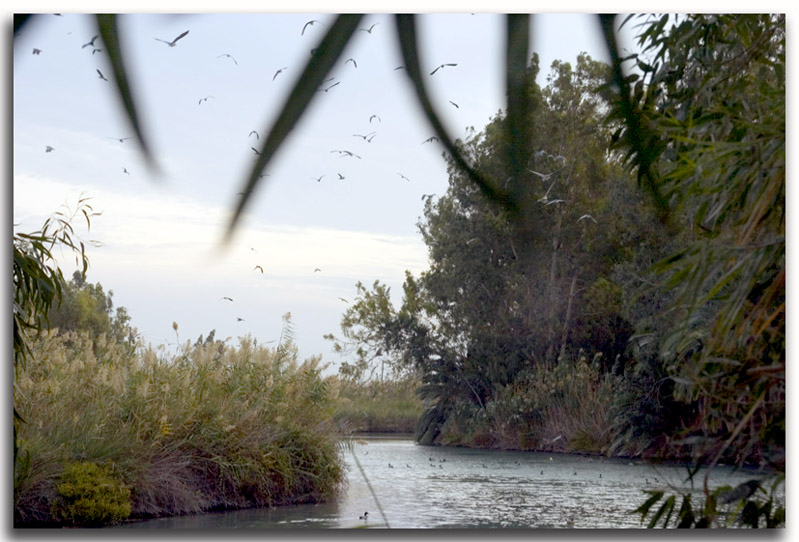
(109, 31)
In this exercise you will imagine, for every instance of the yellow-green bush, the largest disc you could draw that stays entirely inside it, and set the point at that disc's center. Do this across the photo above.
(90, 494)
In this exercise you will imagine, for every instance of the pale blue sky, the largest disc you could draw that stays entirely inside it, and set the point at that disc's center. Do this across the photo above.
(160, 235)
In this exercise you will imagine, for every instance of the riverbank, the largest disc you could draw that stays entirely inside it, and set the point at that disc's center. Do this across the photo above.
(109, 435)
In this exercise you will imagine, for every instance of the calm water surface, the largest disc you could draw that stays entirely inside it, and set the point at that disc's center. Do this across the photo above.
(442, 487)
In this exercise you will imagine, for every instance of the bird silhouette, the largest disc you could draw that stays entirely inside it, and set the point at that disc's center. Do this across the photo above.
(344, 300)
(48, 148)
(230, 57)
(125, 170)
(36, 51)
(441, 66)
(427, 196)
(101, 75)
(239, 319)
(348, 153)
(390, 466)
(364, 137)
(90, 43)
(328, 88)
(404, 177)
(255, 150)
(430, 139)
(319, 179)
(226, 297)
(174, 41)
(369, 30)
(309, 23)
(456, 105)
(279, 71)
(258, 267)
(374, 117)
(341, 177)
(364, 516)
(587, 216)
(254, 132)
(317, 270)
(351, 60)
(399, 68)
(97, 51)
(203, 100)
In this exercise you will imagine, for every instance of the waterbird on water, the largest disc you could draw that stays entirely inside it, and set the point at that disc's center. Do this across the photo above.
(364, 516)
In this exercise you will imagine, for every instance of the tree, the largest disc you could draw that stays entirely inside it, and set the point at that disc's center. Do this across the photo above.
(704, 126)
(38, 281)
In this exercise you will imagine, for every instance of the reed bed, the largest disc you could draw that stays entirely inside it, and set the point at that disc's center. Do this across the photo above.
(212, 427)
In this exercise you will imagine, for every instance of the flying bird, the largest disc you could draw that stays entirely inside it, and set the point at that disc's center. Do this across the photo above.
(203, 100)
(254, 132)
(48, 148)
(309, 23)
(317, 270)
(239, 319)
(120, 139)
(456, 105)
(226, 297)
(341, 177)
(348, 153)
(101, 75)
(430, 139)
(363, 136)
(125, 171)
(351, 60)
(230, 57)
(403, 176)
(278, 72)
(328, 88)
(255, 151)
(344, 300)
(90, 43)
(319, 179)
(587, 216)
(399, 68)
(441, 66)
(174, 41)
(369, 30)
(36, 51)
(374, 117)
(258, 267)
(544, 176)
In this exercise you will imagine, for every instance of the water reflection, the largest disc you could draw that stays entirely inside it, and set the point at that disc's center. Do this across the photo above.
(433, 487)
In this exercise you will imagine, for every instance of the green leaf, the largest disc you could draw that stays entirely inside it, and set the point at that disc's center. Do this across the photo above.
(406, 31)
(107, 26)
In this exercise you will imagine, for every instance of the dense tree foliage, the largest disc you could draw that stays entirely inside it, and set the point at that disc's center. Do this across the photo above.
(674, 292)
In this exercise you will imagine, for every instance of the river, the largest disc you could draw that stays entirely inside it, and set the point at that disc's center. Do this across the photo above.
(416, 486)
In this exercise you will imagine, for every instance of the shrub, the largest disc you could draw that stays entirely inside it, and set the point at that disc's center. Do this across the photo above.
(91, 495)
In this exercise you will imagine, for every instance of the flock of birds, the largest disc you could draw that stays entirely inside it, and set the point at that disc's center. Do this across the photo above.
(365, 137)
(328, 85)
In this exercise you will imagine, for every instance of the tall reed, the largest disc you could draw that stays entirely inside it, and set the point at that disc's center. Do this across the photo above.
(212, 427)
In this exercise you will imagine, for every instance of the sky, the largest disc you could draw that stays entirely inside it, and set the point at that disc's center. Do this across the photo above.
(319, 223)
